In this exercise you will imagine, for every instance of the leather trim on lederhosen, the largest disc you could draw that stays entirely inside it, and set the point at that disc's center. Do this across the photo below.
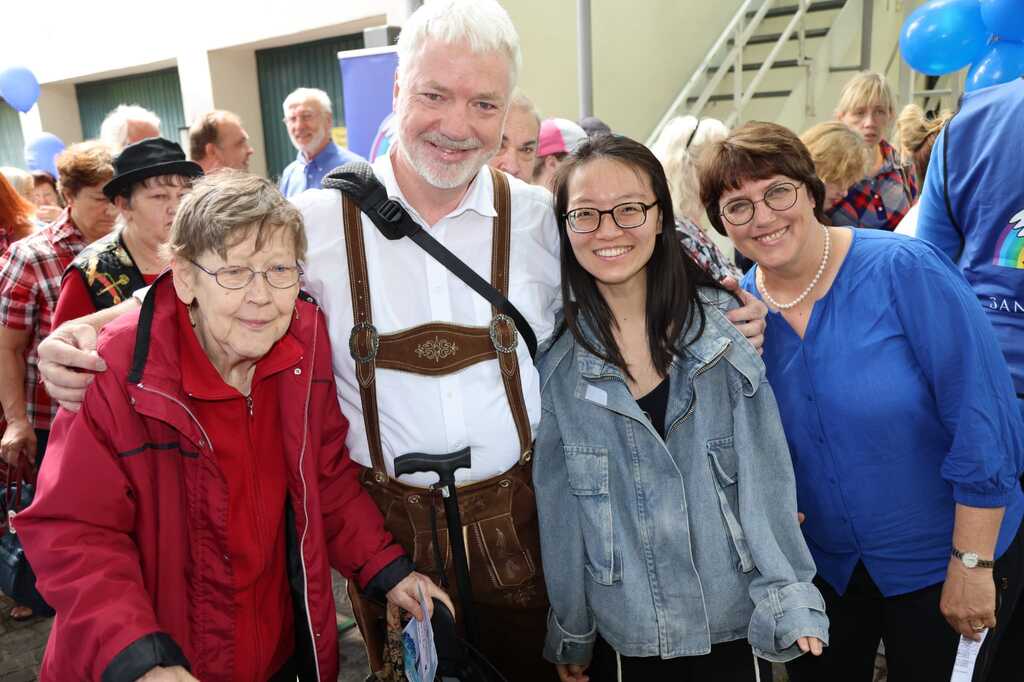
(108, 271)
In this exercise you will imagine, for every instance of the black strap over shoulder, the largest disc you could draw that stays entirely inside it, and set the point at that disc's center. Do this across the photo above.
(357, 180)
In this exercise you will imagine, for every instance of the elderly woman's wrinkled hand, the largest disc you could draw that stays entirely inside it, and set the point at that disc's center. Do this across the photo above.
(175, 674)
(67, 361)
(406, 595)
(749, 318)
(968, 599)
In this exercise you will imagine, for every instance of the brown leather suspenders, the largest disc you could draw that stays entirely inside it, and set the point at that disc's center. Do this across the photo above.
(437, 348)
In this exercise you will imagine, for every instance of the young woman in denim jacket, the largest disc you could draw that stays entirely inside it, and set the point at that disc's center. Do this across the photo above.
(664, 487)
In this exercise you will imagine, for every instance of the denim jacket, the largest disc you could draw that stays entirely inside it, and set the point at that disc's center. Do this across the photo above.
(667, 547)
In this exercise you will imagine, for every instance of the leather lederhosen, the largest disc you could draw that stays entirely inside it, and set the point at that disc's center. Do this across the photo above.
(108, 271)
(499, 514)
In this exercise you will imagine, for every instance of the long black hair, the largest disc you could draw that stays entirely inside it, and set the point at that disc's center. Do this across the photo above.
(672, 306)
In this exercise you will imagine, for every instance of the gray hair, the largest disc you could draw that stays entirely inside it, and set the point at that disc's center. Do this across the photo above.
(523, 103)
(483, 24)
(20, 179)
(678, 148)
(114, 130)
(304, 95)
(225, 207)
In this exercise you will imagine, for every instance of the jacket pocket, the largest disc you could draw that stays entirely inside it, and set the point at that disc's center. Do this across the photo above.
(724, 466)
(588, 482)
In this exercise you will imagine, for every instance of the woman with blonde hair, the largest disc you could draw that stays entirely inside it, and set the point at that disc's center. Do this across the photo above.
(886, 193)
(678, 148)
(840, 158)
(917, 135)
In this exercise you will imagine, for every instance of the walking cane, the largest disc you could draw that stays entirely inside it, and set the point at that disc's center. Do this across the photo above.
(445, 467)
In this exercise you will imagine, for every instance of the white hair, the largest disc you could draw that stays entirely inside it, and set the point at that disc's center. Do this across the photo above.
(678, 148)
(304, 95)
(114, 130)
(523, 103)
(483, 24)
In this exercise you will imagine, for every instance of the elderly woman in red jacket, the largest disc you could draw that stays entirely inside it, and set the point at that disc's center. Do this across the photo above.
(187, 517)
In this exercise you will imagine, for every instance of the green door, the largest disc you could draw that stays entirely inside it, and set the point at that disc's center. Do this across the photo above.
(304, 65)
(158, 91)
(12, 144)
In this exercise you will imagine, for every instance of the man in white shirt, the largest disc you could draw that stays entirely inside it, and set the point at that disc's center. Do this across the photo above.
(458, 63)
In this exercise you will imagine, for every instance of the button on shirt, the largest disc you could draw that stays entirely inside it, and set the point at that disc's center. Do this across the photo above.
(300, 175)
(897, 404)
(408, 288)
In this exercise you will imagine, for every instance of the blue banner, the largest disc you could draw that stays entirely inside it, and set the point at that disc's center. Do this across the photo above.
(368, 80)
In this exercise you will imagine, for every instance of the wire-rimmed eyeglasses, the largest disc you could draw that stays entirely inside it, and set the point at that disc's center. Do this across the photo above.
(239, 276)
(778, 197)
(627, 216)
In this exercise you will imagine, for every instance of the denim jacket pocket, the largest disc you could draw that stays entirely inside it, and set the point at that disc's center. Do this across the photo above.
(724, 466)
(588, 482)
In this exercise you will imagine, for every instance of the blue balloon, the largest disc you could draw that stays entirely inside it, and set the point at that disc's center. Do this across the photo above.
(943, 36)
(1005, 18)
(1003, 63)
(19, 87)
(41, 152)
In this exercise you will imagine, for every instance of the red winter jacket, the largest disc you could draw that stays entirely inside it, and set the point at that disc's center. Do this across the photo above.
(128, 532)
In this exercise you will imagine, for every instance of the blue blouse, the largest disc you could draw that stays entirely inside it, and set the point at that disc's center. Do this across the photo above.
(897, 404)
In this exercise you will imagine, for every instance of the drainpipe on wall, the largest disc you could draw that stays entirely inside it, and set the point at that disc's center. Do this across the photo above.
(586, 68)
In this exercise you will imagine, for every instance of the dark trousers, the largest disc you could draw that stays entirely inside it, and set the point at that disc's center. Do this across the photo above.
(920, 646)
(42, 438)
(727, 662)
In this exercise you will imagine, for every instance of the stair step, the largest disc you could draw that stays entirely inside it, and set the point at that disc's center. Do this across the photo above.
(756, 66)
(757, 95)
(787, 10)
(774, 37)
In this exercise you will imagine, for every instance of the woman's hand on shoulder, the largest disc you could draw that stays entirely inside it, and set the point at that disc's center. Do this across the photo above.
(175, 674)
(811, 644)
(571, 672)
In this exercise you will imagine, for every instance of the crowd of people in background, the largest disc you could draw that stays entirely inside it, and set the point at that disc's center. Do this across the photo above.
(776, 414)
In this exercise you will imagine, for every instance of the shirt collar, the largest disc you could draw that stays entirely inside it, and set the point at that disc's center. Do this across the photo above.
(201, 380)
(64, 228)
(890, 161)
(479, 198)
(324, 153)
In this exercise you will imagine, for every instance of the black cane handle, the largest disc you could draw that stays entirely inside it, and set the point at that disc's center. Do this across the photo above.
(444, 466)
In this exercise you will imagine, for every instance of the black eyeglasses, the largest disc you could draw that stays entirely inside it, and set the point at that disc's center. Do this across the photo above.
(778, 197)
(627, 216)
(239, 277)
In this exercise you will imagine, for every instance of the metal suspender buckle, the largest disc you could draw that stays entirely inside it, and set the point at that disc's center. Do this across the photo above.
(364, 336)
(500, 321)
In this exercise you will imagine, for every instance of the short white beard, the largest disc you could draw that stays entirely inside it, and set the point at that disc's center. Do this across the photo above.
(448, 176)
(315, 144)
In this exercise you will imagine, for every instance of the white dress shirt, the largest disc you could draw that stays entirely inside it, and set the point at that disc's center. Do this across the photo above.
(408, 288)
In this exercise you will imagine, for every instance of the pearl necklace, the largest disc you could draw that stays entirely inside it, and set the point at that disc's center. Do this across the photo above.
(817, 276)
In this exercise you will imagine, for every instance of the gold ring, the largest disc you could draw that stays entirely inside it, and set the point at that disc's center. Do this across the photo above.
(978, 628)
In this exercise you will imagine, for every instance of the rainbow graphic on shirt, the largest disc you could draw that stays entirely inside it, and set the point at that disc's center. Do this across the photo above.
(1010, 245)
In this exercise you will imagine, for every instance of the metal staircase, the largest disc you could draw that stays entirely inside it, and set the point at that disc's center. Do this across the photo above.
(768, 54)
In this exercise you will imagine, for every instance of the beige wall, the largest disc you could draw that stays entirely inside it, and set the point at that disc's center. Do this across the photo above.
(643, 53)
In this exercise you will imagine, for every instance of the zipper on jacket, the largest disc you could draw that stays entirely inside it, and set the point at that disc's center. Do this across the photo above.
(693, 403)
(183, 406)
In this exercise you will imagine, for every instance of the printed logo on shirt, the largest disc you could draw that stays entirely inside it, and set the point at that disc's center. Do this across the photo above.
(1010, 245)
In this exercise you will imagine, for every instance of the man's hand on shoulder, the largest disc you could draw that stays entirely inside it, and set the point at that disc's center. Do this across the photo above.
(749, 318)
(68, 361)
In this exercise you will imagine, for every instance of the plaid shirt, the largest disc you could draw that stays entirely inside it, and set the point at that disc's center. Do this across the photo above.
(30, 273)
(881, 201)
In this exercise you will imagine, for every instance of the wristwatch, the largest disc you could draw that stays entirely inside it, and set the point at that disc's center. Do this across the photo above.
(971, 560)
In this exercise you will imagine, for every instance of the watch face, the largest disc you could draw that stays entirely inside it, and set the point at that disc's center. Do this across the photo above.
(970, 559)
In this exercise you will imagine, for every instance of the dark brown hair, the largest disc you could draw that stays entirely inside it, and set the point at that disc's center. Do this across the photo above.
(672, 306)
(206, 130)
(756, 151)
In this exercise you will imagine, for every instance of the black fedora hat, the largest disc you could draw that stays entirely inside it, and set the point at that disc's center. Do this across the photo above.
(146, 159)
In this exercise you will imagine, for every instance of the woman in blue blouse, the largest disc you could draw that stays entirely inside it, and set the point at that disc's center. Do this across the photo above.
(899, 412)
